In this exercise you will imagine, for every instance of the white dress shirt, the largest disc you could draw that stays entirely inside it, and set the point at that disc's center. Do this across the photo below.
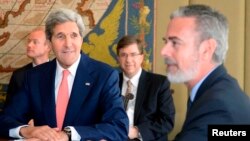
(131, 104)
(58, 78)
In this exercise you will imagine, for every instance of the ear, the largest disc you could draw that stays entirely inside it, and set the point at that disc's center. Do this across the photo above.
(207, 48)
(143, 57)
(48, 43)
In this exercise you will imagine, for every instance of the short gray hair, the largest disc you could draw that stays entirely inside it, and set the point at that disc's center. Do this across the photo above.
(210, 24)
(61, 16)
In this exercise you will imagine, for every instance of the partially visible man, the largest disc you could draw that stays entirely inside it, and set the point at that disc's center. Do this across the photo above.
(72, 97)
(196, 43)
(37, 49)
(150, 108)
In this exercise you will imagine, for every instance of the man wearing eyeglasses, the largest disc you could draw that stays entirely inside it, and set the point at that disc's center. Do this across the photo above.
(150, 106)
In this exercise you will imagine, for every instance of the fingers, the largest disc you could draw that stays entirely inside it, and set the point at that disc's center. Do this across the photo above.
(32, 139)
(43, 133)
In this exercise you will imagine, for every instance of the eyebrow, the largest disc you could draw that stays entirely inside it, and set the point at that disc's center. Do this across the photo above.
(174, 38)
(58, 33)
(171, 38)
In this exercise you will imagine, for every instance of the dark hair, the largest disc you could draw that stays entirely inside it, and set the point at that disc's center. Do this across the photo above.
(128, 40)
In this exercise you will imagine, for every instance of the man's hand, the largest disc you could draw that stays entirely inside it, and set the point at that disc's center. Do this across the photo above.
(43, 133)
(133, 132)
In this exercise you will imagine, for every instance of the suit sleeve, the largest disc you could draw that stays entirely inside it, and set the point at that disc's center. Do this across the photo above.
(14, 113)
(157, 125)
(11, 87)
(15, 84)
(114, 120)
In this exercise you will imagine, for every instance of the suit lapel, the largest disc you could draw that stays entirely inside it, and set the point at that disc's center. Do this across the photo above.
(80, 90)
(210, 80)
(141, 90)
(121, 80)
(47, 89)
(220, 70)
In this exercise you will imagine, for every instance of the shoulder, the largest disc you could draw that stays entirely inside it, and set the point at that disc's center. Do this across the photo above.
(44, 68)
(95, 65)
(223, 94)
(155, 77)
(22, 70)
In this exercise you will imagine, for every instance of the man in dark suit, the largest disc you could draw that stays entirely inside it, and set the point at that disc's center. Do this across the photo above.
(92, 104)
(37, 49)
(151, 109)
(195, 47)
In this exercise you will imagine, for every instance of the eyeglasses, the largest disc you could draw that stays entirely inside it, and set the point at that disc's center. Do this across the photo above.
(131, 55)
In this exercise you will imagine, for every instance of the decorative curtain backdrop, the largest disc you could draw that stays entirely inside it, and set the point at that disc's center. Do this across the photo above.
(122, 17)
(106, 22)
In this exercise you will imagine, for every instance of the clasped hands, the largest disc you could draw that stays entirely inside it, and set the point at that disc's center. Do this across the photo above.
(43, 133)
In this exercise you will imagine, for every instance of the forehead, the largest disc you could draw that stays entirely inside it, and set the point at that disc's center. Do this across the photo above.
(184, 29)
(182, 25)
(37, 34)
(130, 48)
(66, 27)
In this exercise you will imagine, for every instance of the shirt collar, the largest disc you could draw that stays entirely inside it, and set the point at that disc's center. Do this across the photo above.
(135, 79)
(197, 86)
(72, 69)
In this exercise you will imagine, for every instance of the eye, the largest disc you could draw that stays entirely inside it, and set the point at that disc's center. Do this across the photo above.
(164, 40)
(74, 35)
(123, 55)
(35, 42)
(134, 54)
(60, 36)
(174, 43)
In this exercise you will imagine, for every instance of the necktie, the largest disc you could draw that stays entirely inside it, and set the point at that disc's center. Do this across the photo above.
(128, 96)
(62, 99)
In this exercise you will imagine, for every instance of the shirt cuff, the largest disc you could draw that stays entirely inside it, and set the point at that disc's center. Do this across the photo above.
(74, 134)
(15, 132)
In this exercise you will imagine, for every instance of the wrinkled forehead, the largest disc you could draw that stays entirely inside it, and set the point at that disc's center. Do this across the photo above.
(66, 28)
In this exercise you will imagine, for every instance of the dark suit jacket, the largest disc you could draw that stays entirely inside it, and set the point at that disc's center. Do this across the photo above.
(154, 107)
(95, 106)
(219, 100)
(16, 81)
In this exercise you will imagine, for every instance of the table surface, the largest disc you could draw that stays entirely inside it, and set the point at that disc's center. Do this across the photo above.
(5, 139)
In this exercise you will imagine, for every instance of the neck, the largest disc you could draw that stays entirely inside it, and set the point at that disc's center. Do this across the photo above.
(202, 73)
(38, 61)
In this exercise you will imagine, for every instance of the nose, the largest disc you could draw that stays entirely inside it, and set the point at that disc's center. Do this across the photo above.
(29, 44)
(68, 41)
(128, 58)
(165, 50)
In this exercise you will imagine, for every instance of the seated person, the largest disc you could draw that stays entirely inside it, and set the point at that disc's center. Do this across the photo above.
(72, 97)
(150, 108)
